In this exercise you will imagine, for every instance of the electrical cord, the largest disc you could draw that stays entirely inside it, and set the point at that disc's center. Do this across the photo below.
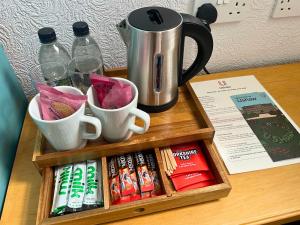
(208, 14)
(205, 70)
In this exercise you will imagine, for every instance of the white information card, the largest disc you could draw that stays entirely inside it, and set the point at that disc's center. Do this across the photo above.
(252, 130)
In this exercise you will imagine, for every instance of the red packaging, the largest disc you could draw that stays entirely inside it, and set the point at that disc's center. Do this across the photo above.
(191, 178)
(127, 187)
(125, 199)
(146, 183)
(189, 158)
(136, 195)
(198, 185)
(153, 174)
(157, 187)
(114, 181)
(146, 195)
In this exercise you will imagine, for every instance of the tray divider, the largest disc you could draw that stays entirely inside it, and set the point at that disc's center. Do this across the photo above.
(45, 199)
(164, 179)
(106, 197)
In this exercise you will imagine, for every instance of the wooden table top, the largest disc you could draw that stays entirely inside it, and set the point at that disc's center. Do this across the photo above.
(266, 196)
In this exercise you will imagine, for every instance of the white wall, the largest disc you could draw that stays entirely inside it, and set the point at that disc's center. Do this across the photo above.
(258, 40)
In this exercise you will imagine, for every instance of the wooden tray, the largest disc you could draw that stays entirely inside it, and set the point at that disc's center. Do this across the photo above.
(186, 121)
(170, 198)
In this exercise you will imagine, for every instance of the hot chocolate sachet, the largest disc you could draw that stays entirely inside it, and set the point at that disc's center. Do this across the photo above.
(130, 162)
(111, 93)
(127, 186)
(114, 181)
(55, 104)
(145, 181)
(153, 174)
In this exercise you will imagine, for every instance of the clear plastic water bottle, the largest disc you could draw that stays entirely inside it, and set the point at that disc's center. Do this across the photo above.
(51, 51)
(83, 43)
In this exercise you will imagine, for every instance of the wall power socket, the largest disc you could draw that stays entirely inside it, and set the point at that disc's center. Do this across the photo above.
(228, 10)
(286, 8)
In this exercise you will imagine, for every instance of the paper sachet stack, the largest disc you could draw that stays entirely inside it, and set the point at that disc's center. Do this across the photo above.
(192, 170)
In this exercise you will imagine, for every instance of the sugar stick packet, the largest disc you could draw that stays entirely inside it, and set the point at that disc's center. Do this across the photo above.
(136, 195)
(61, 189)
(146, 183)
(153, 174)
(114, 181)
(77, 187)
(93, 196)
(127, 187)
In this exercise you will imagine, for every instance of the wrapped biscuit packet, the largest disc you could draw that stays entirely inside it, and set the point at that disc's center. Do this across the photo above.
(111, 93)
(56, 105)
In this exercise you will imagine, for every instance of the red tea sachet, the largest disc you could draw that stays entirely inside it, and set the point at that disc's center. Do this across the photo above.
(192, 170)
(198, 185)
(55, 104)
(111, 93)
(191, 178)
(189, 158)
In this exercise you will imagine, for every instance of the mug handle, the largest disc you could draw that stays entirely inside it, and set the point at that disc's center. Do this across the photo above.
(142, 115)
(96, 123)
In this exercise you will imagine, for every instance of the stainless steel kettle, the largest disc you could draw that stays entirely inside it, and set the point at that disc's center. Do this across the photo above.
(154, 37)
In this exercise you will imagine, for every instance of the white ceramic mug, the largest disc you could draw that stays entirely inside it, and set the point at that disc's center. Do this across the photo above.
(67, 133)
(119, 124)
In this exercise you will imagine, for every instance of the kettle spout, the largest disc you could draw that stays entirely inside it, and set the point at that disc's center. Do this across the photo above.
(123, 31)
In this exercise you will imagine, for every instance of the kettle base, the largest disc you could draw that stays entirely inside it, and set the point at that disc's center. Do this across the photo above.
(158, 108)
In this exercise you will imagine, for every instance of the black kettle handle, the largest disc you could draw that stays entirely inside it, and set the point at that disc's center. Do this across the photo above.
(195, 29)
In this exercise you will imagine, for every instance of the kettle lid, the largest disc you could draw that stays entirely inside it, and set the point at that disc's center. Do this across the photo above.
(154, 19)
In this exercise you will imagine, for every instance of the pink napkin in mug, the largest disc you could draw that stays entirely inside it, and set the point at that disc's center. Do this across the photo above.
(111, 93)
(55, 104)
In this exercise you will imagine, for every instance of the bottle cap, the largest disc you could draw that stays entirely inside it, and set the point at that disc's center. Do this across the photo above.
(46, 35)
(81, 28)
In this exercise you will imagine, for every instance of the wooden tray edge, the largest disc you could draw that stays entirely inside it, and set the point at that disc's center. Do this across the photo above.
(199, 105)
